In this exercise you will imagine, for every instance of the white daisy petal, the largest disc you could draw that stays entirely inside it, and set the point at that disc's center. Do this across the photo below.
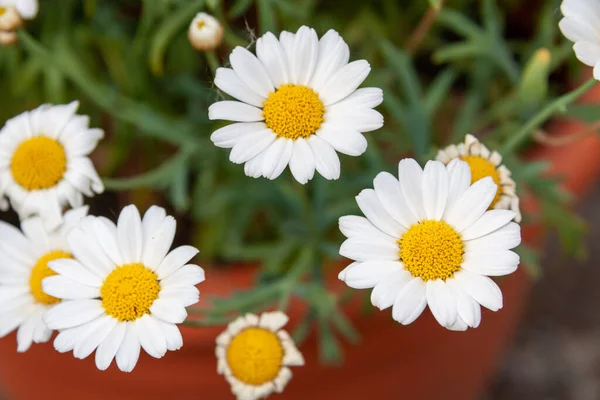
(304, 56)
(507, 237)
(481, 288)
(129, 234)
(68, 314)
(492, 262)
(333, 54)
(352, 225)
(251, 71)
(172, 335)
(251, 145)
(359, 120)
(169, 310)
(361, 99)
(186, 294)
(459, 175)
(371, 206)
(365, 275)
(435, 190)
(176, 259)
(363, 248)
(34, 230)
(107, 349)
(106, 231)
(254, 167)
(410, 176)
(327, 161)
(228, 81)
(152, 220)
(410, 302)
(468, 309)
(187, 275)
(25, 333)
(129, 351)
(157, 246)
(103, 326)
(473, 203)
(442, 302)
(344, 81)
(389, 193)
(277, 157)
(302, 162)
(385, 292)
(151, 336)
(272, 55)
(490, 221)
(64, 288)
(228, 136)
(345, 140)
(273, 321)
(234, 111)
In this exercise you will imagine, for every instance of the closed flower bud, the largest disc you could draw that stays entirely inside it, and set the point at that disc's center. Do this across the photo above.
(8, 38)
(205, 32)
(9, 19)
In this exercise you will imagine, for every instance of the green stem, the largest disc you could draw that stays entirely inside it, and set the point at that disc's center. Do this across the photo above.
(537, 120)
(213, 62)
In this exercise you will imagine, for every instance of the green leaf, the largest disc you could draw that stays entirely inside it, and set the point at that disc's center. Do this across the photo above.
(266, 16)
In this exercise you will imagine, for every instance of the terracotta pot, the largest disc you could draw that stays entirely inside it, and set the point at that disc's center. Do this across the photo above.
(420, 361)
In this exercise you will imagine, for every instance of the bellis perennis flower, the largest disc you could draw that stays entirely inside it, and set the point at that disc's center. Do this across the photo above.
(298, 105)
(581, 25)
(427, 239)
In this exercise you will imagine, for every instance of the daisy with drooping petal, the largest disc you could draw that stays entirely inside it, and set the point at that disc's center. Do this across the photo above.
(581, 25)
(427, 240)
(298, 105)
(254, 354)
(44, 162)
(205, 32)
(24, 264)
(124, 290)
(482, 163)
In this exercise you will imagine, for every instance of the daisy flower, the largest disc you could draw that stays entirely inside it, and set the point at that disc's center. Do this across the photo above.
(205, 32)
(427, 239)
(13, 11)
(124, 290)
(44, 162)
(25, 256)
(581, 25)
(482, 163)
(254, 354)
(298, 105)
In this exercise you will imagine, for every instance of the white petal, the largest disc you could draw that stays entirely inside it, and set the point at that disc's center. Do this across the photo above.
(435, 190)
(411, 182)
(277, 157)
(390, 194)
(129, 234)
(251, 71)
(371, 206)
(273, 321)
(490, 221)
(385, 292)
(103, 327)
(27, 9)
(459, 175)
(361, 99)
(344, 82)
(576, 31)
(33, 228)
(16, 245)
(272, 55)
(345, 140)
(471, 205)
(304, 55)
(187, 275)
(459, 325)
(333, 55)
(107, 350)
(68, 338)
(302, 163)
(64, 288)
(234, 111)
(352, 225)
(228, 136)
(176, 259)
(228, 81)
(84, 248)
(506, 238)
(364, 275)
(157, 246)
(410, 302)
(68, 314)
(169, 310)
(172, 335)
(442, 302)
(254, 167)
(365, 248)
(481, 288)
(468, 309)
(185, 295)
(327, 161)
(360, 120)
(588, 53)
(106, 232)
(250, 145)
(493, 262)
(151, 336)
(25, 333)
(129, 351)
(287, 42)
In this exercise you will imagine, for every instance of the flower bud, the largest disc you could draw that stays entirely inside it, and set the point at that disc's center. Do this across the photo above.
(8, 38)
(205, 32)
(9, 19)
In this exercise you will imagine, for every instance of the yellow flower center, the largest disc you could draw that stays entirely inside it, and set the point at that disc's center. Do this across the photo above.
(2, 11)
(293, 111)
(201, 24)
(480, 168)
(255, 356)
(40, 271)
(38, 163)
(431, 250)
(128, 292)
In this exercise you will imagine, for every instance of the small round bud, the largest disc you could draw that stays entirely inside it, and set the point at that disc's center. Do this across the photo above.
(8, 38)
(9, 19)
(205, 32)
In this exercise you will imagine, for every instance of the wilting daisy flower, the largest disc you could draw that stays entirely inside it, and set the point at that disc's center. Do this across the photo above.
(254, 354)
(123, 290)
(482, 163)
(581, 25)
(205, 32)
(428, 240)
(44, 164)
(12, 11)
(298, 105)
(25, 256)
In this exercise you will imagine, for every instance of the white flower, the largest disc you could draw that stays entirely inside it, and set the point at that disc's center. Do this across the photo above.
(299, 103)
(123, 290)
(254, 354)
(44, 164)
(9, 20)
(581, 25)
(27, 9)
(25, 257)
(482, 163)
(205, 32)
(428, 240)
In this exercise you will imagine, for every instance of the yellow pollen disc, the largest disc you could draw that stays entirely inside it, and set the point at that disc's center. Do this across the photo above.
(255, 356)
(128, 292)
(480, 168)
(40, 271)
(201, 24)
(38, 163)
(2, 11)
(293, 111)
(431, 250)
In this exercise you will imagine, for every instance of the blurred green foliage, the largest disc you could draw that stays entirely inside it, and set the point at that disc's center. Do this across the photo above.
(479, 69)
